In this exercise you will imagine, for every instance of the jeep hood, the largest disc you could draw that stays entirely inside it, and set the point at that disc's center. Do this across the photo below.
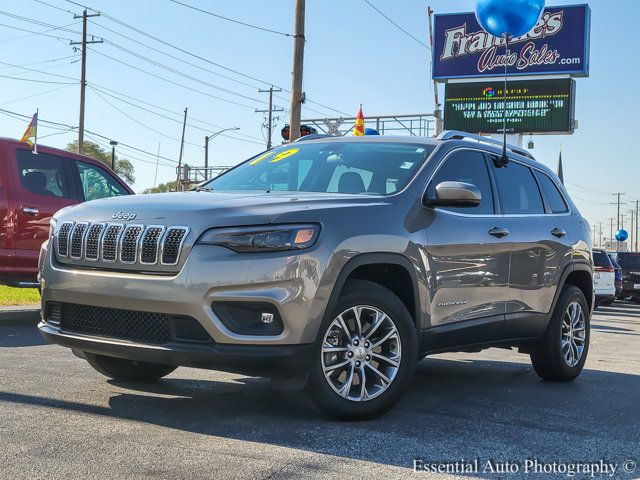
(200, 210)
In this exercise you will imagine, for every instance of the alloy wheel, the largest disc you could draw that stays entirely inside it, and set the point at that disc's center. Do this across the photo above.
(361, 353)
(573, 334)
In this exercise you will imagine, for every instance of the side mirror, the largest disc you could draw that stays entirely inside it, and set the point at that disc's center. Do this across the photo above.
(454, 194)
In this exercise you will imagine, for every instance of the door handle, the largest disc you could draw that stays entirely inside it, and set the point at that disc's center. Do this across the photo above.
(30, 210)
(499, 232)
(558, 232)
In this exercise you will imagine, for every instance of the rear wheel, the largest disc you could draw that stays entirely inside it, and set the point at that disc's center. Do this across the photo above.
(127, 370)
(365, 353)
(561, 355)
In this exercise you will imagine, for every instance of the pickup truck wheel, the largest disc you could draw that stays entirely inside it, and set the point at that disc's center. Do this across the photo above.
(127, 370)
(561, 355)
(365, 353)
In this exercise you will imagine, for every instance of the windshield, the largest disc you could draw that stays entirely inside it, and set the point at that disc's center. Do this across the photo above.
(600, 259)
(629, 260)
(333, 167)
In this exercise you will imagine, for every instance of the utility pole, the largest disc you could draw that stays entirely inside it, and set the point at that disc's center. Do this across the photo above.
(155, 177)
(600, 234)
(611, 237)
(271, 112)
(296, 81)
(619, 194)
(83, 74)
(184, 126)
(636, 236)
(631, 231)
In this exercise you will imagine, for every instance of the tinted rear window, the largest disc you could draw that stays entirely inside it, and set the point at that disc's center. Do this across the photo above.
(601, 259)
(629, 260)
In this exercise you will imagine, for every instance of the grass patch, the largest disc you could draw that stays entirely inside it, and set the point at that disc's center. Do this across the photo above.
(10, 296)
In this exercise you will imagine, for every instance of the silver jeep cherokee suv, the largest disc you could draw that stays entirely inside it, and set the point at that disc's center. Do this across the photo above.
(332, 263)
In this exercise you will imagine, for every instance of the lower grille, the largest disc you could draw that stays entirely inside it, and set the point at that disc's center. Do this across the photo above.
(144, 327)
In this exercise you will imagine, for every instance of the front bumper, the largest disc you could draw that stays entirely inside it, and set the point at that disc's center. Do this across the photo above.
(289, 282)
(245, 359)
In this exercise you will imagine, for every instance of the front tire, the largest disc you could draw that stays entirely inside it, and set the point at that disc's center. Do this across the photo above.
(127, 370)
(365, 353)
(561, 355)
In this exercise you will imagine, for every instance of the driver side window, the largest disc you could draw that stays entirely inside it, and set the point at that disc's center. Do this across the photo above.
(470, 167)
(97, 183)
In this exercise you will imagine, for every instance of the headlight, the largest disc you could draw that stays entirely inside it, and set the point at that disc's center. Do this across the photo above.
(52, 226)
(268, 238)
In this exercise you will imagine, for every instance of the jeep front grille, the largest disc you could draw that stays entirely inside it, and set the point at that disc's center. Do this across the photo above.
(115, 243)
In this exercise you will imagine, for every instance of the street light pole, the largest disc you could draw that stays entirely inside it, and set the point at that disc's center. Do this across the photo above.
(206, 148)
(113, 144)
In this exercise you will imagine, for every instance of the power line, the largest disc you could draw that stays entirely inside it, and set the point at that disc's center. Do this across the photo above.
(396, 25)
(102, 90)
(232, 19)
(162, 134)
(36, 81)
(182, 74)
(199, 57)
(171, 81)
(54, 6)
(36, 94)
(32, 32)
(40, 23)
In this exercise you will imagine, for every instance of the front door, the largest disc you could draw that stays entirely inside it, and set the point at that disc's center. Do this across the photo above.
(43, 186)
(468, 249)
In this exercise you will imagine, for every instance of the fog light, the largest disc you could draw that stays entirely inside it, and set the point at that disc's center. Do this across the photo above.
(266, 317)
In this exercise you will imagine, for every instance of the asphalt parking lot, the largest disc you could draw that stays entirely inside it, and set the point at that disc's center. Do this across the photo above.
(61, 419)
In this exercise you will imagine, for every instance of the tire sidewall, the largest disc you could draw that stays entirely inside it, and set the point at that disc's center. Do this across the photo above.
(555, 331)
(365, 293)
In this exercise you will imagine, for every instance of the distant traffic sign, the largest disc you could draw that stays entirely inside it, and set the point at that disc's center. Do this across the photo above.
(533, 106)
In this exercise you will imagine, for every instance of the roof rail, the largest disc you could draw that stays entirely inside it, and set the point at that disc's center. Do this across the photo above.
(456, 135)
(312, 136)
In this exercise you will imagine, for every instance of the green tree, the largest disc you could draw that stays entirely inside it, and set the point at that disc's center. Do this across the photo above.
(124, 167)
(162, 188)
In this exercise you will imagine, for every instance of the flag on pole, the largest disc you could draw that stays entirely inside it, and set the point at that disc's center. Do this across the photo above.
(358, 128)
(559, 172)
(32, 132)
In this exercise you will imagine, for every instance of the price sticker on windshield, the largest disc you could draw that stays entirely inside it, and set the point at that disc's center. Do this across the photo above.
(285, 154)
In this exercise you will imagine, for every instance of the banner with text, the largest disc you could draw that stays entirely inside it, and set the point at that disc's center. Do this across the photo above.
(558, 44)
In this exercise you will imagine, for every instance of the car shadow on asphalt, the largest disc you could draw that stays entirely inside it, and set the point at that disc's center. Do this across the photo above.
(20, 335)
(454, 409)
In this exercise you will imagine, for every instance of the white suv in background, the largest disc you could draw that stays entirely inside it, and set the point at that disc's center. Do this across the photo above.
(604, 277)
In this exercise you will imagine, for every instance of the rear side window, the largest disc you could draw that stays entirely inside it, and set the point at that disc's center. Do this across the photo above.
(601, 259)
(518, 190)
(629, 260)
(469, 167)
(97, 183)
(552, 194)
(44, 174)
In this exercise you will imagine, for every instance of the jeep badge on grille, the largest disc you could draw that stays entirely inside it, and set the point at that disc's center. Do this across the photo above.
(124, 216)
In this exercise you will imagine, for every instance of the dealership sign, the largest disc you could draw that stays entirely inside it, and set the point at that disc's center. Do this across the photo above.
(558, 44)
(533, 106)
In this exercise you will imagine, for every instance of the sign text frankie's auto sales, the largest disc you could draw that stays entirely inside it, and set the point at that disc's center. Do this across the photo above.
(559, 43)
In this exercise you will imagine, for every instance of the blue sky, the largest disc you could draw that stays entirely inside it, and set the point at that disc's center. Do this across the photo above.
(352, 56)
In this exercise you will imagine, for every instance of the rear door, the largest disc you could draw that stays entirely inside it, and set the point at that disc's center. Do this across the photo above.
(541, 246)
(43, 185)
(468, 257)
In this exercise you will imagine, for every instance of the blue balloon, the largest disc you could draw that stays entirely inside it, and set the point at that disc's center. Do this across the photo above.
(622, 235)
(371, 131)
(508, 18)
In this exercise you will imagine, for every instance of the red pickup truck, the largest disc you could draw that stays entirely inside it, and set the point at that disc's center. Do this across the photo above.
(32, 188)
